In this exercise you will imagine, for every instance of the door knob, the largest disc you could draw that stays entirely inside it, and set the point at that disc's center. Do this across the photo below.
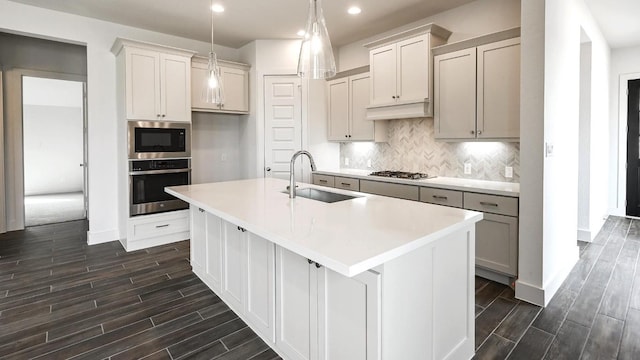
(267, 169)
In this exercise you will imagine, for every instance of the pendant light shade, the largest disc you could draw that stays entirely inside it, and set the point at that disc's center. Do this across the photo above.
(316, 54)
(213, 89)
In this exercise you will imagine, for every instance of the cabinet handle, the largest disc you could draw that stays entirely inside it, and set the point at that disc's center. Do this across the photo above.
(346, 136)
(163, 115)
(201, 210)
(349, 135)
(158, 115)
(439, 197)
(318, 266)
(484, 203)
(393, 97)
(310, 262)
(345, 184)
(472, 132)
(241, 229)
(162, 226)
(479, 132)
(323, 181)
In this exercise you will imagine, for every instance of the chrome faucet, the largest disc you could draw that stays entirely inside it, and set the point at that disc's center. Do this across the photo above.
(292, 176)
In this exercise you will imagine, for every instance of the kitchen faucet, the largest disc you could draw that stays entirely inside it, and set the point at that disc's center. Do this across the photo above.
(292, 176)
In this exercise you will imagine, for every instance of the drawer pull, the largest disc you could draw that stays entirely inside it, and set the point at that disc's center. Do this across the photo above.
(310, 261)
(440, 197)
(323, 181)
(162, 226)
(484, 203)
(241, 229)
(345, 184)
(201, 210)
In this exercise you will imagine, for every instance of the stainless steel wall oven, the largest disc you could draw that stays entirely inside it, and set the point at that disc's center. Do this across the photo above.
(159, 139)
(147, 180)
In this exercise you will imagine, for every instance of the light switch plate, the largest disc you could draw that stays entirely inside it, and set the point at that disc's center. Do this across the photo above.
(467, 168)
(346, 161)
(548, 149)
(369, 163)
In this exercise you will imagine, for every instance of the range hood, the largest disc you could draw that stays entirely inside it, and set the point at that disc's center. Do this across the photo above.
(412, 109)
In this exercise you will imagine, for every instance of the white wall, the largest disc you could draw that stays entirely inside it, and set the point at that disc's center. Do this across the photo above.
(625, 65)
(215, 153)
(549, 114)
(474, 19)
(584, 150)
(98, 36)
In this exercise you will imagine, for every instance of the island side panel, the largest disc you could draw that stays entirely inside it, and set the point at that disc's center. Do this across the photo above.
(428, 301)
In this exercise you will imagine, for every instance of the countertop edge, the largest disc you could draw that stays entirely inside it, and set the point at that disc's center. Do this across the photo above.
(430, 183)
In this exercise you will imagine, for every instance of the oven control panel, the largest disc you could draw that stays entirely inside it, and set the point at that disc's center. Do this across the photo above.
(160, 164)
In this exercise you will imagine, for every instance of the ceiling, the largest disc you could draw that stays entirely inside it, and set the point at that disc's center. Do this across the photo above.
(247, 20)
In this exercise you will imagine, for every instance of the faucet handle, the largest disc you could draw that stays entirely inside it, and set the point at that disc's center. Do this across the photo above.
(289, 187)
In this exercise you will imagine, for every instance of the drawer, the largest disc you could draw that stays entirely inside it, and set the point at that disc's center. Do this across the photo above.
(441, 197)
(408, 192)
(160, 225)
(491, 203)
(323, 180)
(347, 183)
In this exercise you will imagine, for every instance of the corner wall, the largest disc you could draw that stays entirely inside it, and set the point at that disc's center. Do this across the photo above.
(549, 115)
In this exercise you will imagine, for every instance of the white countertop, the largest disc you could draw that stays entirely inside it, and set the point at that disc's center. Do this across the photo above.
(348, 237)
(480, 186)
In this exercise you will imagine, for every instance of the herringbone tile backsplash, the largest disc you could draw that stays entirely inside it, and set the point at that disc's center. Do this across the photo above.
(412, 147)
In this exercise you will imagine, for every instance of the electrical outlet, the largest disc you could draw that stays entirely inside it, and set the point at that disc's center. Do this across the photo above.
(346, 161)
(467, 168)
(369, 163)
(508, 172)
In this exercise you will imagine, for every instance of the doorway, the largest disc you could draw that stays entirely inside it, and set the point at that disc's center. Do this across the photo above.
(633, 153)
(283, 125)
(53, 150)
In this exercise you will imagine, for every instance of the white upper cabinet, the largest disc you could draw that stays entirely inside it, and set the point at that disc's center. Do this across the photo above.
(348, 100)
(235, 84)
(401, 70)
(157, 81)
(477, 88)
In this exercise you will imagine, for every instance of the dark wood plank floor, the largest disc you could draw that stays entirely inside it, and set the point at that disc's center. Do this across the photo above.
(594, 315)
(60, 298)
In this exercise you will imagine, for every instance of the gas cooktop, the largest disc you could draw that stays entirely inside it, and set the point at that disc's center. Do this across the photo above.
(402, 174)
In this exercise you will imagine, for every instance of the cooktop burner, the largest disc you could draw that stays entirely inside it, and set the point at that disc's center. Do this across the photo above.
(401, 174)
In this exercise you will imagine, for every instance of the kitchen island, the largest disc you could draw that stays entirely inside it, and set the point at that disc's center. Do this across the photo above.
(368, 278)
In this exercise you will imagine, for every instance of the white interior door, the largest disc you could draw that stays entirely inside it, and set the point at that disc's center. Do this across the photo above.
(283, 124)
(3, 216)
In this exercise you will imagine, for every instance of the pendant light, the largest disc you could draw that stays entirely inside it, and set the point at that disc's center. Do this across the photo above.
(213, 92)
(316, 54)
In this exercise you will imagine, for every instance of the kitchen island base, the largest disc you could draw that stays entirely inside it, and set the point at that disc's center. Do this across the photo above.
(419, 305)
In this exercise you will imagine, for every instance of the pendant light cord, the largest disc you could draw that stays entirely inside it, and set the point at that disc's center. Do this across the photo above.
(211, 10)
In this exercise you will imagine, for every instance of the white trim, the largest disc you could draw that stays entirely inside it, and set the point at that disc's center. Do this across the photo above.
(621, 173)
(585, 235)
(542, 296)
(100, 237)
(3, 216)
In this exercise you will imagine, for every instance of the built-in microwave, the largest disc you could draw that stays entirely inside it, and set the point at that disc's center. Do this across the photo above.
(159, 139)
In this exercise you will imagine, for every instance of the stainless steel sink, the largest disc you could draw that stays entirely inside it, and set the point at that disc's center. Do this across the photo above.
(321, 195)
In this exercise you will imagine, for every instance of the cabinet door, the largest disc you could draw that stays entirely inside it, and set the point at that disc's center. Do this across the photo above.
(361, 128)
(338, 102)
(293, 306)
(198, 242)
(176, 88)
(349, 316)
(214, 252)
(413, 69)
(259, 305)
(199, 83)
(233, 272)
(382, 62)
(497, 243)
(455, 95)
(499, 89)
(235, 84)
(142, 82)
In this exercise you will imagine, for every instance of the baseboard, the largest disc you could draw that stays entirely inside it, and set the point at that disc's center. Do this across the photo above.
(541, 296)
(100, 237)
(493, 276)
(584, 235)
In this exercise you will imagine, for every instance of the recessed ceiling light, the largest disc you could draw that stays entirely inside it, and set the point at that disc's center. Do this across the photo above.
(217, 8)
(301, 32)
(354, 10)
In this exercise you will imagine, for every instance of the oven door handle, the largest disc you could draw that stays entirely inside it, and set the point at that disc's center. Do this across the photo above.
(156, 172)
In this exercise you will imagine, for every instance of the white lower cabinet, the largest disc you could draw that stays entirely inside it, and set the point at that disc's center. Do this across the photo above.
(260, 285)
(198, 239)
(324, 315)
(233, 266)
